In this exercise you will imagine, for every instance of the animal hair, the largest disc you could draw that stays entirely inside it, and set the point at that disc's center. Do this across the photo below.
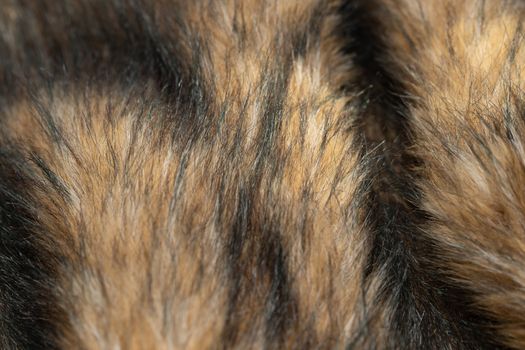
(299, 174)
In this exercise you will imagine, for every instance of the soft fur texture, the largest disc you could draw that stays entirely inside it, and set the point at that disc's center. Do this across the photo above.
(193, 174)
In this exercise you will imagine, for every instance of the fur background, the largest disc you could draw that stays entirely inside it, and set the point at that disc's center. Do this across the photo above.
(340, 174)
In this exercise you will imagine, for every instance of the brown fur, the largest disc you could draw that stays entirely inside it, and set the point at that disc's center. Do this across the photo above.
(464, 68)
(261, 174)
(141, 218)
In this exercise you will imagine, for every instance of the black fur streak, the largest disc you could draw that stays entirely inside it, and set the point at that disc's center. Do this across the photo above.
(28, 313)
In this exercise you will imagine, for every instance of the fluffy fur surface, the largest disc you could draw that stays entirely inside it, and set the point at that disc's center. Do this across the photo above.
(340, 174)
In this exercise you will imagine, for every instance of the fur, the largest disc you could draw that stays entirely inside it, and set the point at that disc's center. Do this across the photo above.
(262, 174)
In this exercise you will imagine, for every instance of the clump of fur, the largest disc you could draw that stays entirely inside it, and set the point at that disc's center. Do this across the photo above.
(190, 181)
(466, 84)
